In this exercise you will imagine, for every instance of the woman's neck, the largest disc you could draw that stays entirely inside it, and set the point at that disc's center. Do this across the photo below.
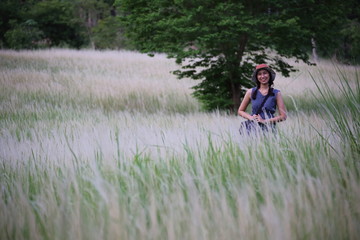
(264, 86)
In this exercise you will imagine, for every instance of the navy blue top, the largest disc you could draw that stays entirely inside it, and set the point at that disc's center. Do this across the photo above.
(269, 108)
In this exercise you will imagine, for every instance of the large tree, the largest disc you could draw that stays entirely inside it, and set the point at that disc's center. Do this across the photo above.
(219, 42)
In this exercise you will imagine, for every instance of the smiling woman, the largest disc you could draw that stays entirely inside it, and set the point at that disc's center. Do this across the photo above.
(264, 100)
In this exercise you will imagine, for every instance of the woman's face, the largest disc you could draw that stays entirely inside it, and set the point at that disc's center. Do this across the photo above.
(263, 76)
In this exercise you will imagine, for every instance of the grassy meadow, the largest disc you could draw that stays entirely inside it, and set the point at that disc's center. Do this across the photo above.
(110, 145)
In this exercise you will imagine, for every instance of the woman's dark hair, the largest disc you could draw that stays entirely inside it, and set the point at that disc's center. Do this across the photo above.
(271, 82)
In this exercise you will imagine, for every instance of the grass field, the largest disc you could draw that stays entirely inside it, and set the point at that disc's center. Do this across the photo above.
(110, 145)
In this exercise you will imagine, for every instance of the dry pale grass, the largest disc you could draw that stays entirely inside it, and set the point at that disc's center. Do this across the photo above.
(301, 83)
(111, 81)
(91, 72)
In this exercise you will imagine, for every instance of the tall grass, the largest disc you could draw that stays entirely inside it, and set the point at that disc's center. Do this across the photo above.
(343, 113)
(117, 82)
(72, 169)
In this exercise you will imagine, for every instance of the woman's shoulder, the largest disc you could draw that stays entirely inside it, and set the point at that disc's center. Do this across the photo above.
(250, 90)
(276, 91)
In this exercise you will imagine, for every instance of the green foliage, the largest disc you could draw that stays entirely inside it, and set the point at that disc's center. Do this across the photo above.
(350, 50)
(32, 24)
(107, 34)
(56, 19)
(206, 25)
(334, 25)
(24, 35)
(8, 12)
(91, 13)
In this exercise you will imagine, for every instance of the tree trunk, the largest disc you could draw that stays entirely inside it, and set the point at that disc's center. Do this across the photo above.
(314, 52)
(235, 85)
(236, 94)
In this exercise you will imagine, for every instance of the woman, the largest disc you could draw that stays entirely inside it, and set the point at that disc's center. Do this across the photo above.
(263, 106)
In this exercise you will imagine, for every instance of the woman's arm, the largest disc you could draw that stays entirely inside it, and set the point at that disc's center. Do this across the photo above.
(244, 104)
(282, 109)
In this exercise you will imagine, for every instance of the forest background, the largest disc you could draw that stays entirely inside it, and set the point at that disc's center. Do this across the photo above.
(96, 24)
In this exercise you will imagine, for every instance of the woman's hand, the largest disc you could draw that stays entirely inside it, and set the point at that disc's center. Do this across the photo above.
(258, 119)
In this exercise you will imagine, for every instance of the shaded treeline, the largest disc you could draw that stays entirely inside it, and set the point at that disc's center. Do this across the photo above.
(59, 23)
(96, 23)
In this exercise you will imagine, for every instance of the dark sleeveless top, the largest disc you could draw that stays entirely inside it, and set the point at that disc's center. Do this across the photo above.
(269, 108)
